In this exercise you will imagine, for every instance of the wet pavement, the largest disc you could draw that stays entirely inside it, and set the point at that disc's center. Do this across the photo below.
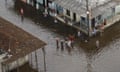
(84, 57)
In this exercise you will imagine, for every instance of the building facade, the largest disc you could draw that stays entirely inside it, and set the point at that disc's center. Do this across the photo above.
(99, 12)
(74, 12)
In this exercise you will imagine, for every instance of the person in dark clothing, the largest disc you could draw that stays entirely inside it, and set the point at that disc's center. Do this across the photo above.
(22, 14)
(62, 45)
(57, 44)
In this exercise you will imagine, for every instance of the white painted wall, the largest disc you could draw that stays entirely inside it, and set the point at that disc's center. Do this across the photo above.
(14, 65)
(107, 13)
(21, 61)
(78, 17)
(71, 15)
(65, 10)
(117, 9)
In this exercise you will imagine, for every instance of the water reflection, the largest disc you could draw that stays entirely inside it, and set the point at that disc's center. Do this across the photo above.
(107, 56)
(84, 56)
(89, 63)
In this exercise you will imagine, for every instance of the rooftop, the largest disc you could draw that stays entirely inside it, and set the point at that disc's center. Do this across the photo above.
(92, 3)
(79, 6)
(19, 42)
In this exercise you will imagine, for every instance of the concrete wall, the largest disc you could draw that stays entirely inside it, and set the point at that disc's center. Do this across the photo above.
(77, 17)
(21, 61)
(1, 60)
(71, 15)
(65, 13)
(15, 64)
(117, 9)
(107, 14)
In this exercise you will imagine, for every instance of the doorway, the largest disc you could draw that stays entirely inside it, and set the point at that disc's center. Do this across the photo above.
(74, 16)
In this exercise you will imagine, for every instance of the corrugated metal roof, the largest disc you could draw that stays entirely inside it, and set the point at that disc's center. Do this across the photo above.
(79, 7)
(72, 5)
(23, 43)
(102, 8)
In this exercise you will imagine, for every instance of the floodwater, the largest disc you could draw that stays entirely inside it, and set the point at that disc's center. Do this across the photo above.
(77, 59)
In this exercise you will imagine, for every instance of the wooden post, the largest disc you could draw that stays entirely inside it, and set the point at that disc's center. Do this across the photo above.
(17, 62)
(44, 59)
(31, 61)
(9, 49)
(7, 68)
(2, 66)
(36, 60)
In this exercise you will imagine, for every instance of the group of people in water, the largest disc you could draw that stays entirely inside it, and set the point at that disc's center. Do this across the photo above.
(66, 43)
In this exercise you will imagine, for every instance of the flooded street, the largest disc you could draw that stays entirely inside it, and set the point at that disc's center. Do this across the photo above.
(108, 59)
(104, 59)
(79, 59)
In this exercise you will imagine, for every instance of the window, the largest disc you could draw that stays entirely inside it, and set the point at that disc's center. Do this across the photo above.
(59, 9)
(83, 19)
(68, 12)
(74, 16)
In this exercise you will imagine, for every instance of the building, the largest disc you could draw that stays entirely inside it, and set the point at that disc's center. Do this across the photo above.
(87, 16)
(15, 47)
(74, 12)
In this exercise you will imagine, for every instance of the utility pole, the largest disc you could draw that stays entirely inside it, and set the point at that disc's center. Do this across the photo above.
(46, 8)
(87, 12)
(44, 56)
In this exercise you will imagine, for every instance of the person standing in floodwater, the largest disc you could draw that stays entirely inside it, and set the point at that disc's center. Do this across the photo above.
(22, 14)
(97, 44)
(62, 45)
(71, 38)
(57, 44)
(78, 34)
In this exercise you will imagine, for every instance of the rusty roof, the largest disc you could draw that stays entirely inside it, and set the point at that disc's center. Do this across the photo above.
(22, 43)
